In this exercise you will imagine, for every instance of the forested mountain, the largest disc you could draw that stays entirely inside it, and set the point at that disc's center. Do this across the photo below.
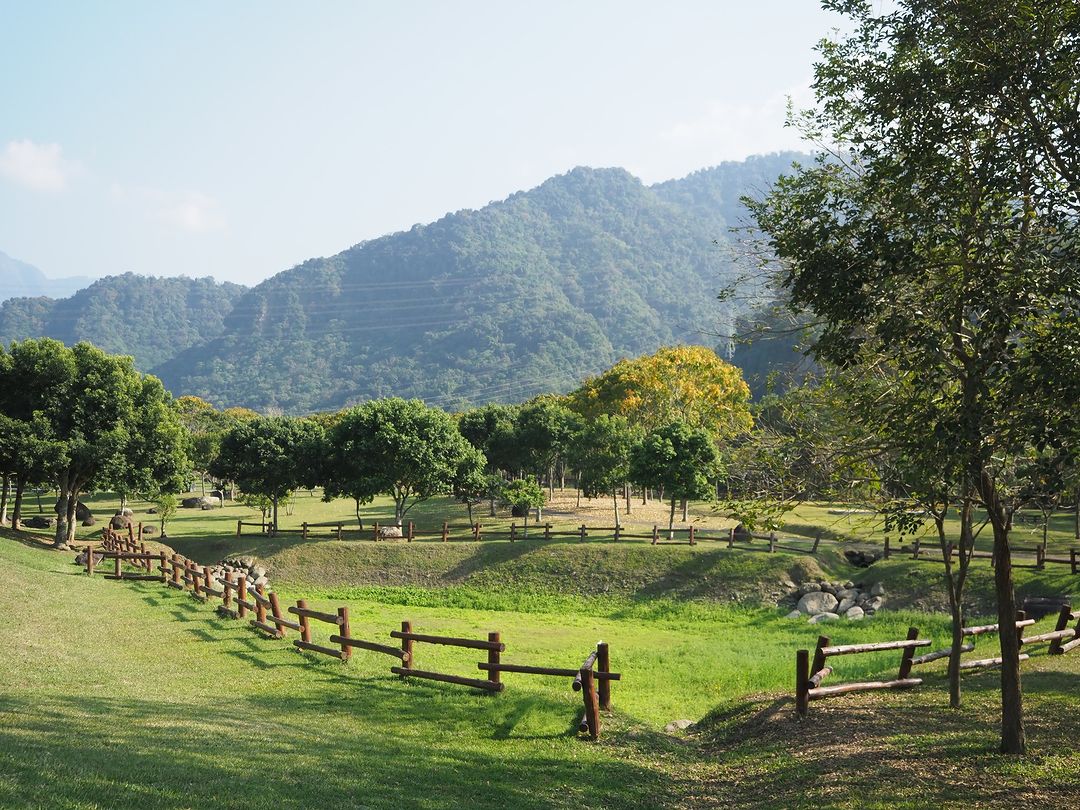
(19, 279)
(526, 295)
(150, 318)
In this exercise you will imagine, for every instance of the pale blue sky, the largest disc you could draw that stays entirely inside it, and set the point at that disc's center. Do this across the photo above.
(236, 139)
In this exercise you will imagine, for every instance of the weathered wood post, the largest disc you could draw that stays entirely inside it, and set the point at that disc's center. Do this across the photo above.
(412, 532)
(592, 706)
(303, 530)
(340, 527)
(375, 531)
(275, 611)
(260, 608)
(163, 566)
(445, 531)
(655, 534)
(226, 591)
(494, 658)
(513, 531)
(176, 570)
(1072, 560)
(582, 533)
(547, 531)
(731, 537)
(305, 623)
(888, 551)
(206, 580)
(819, 656)
(117, 572)
(908, 654)
(89, 561)
(241, 596)
(343, 624)
(1063, 621)
(817, 542)
(802, 677)
(692, 535)
(476, 532)
(407, 647)
(239, 523)
(603, 664)
(772, 542)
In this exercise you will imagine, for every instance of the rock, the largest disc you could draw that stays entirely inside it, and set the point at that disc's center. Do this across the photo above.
(813, 604)
(862, 559)
(244, 562)
(38, 522)
(127, 512)
(877, 603)
(390, 531)
(257, 571)
(847, 593)
(81, 558)
(878, 588)
(854, 614)
(824, 617)
(846, 605)
(118, 522)
(149, 530)
(83, 514)
(678, 725)
(809, 587)
(260, 581)
(849, 585)
(151, 511)
(217, 493)
(787, 584)
(794, 615)
(201, 502)
(89, 521)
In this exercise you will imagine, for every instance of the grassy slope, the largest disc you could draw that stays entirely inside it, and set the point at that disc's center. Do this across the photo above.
(124, 695)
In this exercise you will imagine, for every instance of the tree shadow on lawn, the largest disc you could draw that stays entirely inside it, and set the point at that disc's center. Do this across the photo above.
(369, 748)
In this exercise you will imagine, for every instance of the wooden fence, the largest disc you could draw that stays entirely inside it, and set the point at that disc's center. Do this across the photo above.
(593, 678)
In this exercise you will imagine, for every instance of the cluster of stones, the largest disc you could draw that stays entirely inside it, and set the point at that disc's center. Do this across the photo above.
(829, 601)
(239, 567)
(210, 501)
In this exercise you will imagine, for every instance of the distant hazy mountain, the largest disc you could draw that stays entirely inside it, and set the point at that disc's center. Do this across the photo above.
(21, 280)
(152, 319)
(526, 295)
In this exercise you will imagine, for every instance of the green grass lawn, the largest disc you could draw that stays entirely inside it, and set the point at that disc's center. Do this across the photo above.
(133, 695)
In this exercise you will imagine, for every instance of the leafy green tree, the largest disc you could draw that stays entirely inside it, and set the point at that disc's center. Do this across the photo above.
(679, 459)
(472, 484)
(492, 429)
(28, 457)
(399, 447)
(601, 452)
(938, 247)
(543, 431)
(523, 494)
(167, 504)
(270, 456)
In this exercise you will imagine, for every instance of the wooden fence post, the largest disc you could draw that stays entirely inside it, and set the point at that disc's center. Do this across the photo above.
(241, 596)
(375, 531)
(226, 591)
(239, 523)
(407, 647)
(260, 608)
(1072, 560)
(118, 573)
(275, 611)
(340, 527)
(691, 535)
(445, 531)
(582, 532)
(547, 531)
(162, 566)
(476, 531)
(909, 652)
(412, 532)
(772, 542)
(513, 531)
(1040, 557)
(731, 537)
(305, 623)
(343, 631)
(655, 534)
(888, 551)
(89, 561)
(1062, 623)
(802, 676)
(592, 707)
(494, 658)
(817, 542)
(819, 657)
(303, 530)
(603, 664)
(206, 579)
(175, 569)
(915, 551)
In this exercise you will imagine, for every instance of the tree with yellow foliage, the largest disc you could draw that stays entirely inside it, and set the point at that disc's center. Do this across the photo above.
(689, 384)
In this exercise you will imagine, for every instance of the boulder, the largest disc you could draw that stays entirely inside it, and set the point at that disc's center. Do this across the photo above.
(149, 530)
(854, 614)
(816, 603)
(877, 603)
(200, 502)
(824, 617)
(518, 511)
(81, 559)
(217, 493)
(89, 521)
(151, 511)
(678, 725)
(794, 615)
(389, 531)
(878, 589)
(119, 522)
(82, 513)
(847, 593)
(809, 587)
(39, 522)
(127, 511)
(846, 605)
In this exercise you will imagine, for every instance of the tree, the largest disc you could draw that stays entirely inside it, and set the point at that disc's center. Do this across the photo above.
(206, 426)
(543, 430)
(269, 456)
(472, 484)
(166, 506)
(600, 452)
(399, 447)
(690, 384)
(523, 494)
(938, 245)
(681, 460)
(492, 429)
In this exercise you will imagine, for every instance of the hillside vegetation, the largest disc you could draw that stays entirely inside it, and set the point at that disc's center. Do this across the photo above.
(149, 318)
(527, 295)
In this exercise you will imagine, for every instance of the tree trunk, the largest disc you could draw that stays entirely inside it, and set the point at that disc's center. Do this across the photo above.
(539, 513)
(629, 497)
(1012, 707)
(1076, 517)
(16, 512)
(4, 500)
(615, 500)
(273, 520)
(60, 538)
(671, 522)
(579, 498)
(468, 505)
(73, 505)
(685, 509)
(525, 531)
(644, 496)
(359, 520)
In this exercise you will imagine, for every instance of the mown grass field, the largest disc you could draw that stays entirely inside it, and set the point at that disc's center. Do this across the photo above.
(132, 695)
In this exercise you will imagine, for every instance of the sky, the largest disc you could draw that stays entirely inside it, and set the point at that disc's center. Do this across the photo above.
(238, 139)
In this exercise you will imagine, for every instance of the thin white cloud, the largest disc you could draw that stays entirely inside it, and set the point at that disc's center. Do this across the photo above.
(36, 166)
(187, 211)
(727, 131)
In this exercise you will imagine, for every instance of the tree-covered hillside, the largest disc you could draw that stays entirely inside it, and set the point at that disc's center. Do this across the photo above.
(150, 318)
(526, 295)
